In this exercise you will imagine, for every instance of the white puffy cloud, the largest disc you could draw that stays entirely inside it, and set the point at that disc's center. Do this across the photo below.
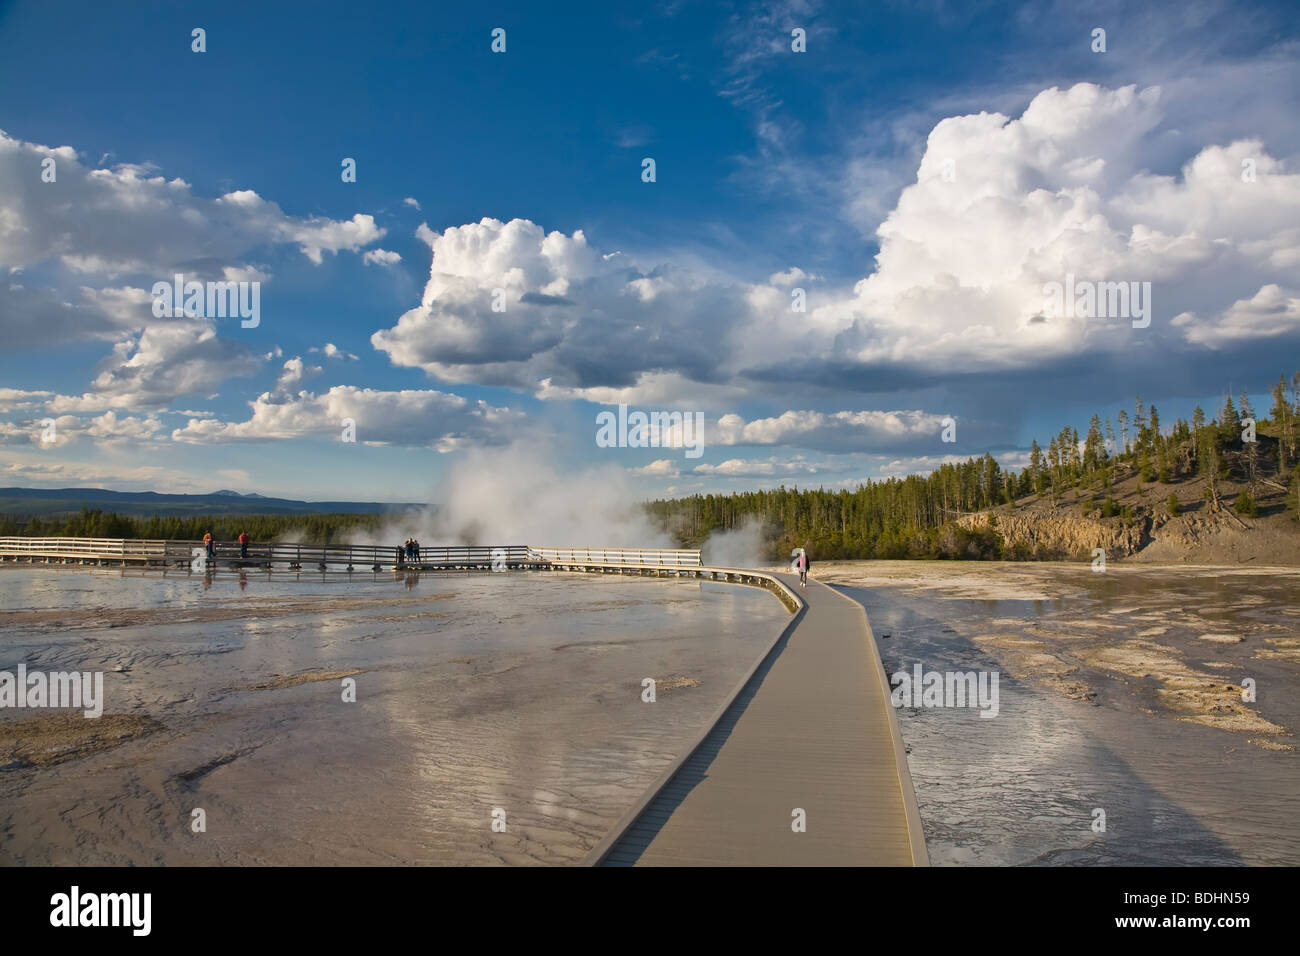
(1268, 313)
(108, 427)
(330, 350)
(654, 389)
(565, 315)
(381, 257)
(758, 468)
(916, 465)
(163, 362)
(1002, 206)
(293, 373)
(411, 416)
(18, 399)
(844, 431)
(789, 277)
(130, 221)
(130, 218)
(660, 468)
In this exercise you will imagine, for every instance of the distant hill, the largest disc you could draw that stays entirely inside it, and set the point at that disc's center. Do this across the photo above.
(57, 501)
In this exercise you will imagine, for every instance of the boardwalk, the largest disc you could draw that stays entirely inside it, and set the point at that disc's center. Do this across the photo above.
(337, 556)
(812, 729)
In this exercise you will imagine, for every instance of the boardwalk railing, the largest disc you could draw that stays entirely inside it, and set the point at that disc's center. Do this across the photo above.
(349, 556)
(663, 557)
(88, 548)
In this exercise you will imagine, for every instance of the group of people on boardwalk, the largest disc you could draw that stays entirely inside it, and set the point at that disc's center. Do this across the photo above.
(410, 551)
(209, 544)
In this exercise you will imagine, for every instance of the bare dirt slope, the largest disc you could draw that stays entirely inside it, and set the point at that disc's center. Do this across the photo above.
(1072, 525)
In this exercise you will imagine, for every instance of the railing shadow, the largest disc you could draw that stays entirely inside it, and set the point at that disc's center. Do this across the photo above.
(637, 837)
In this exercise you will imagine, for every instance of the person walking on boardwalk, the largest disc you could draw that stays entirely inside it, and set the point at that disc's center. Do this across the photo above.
(801, 565)
(207, 544)
(243, 545)
(415, 546)
(807, 566)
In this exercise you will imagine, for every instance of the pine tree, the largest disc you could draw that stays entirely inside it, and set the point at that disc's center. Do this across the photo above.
(1230, 429)
(1094, 450)
(1209, 467)
(1283, 417)
(1252, 447)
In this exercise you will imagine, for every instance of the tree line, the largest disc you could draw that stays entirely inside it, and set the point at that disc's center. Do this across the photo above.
(96, 523)
(914, 516)
(910, 517)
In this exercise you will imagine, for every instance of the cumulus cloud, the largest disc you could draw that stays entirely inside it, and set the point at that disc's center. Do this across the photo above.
(17, 399)
(758, 468)
(130, 220)
(381, 257)
(1267, 314)
(789, 277)
(108, 428)
(654, 389)
(130, 217)
(330, 350)
(844, 431)
(161, 363)
(916, 465)
(509, 304)
(1002, 206)
(411, 417)
(660, 468)
(293, 373)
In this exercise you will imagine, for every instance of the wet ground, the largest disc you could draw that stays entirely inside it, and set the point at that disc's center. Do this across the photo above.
(1120, 692)
(511, 698)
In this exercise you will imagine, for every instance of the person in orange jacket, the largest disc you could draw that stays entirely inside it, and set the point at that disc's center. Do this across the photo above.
(243, 544)
(207, 543)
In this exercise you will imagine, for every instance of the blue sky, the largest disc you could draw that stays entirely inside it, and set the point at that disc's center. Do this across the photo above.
(820, 171)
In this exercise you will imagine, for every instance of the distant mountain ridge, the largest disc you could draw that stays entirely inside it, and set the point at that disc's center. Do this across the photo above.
(54, 501)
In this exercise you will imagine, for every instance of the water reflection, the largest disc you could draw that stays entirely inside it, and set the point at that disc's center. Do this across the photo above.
(475, 691)
(1024, 788)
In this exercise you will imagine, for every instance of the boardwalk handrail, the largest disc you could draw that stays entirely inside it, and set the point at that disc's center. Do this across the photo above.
(664, 557)
(81, 546)
(298, 555)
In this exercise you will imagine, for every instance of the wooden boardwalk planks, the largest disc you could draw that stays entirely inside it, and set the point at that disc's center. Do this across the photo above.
(812, 729)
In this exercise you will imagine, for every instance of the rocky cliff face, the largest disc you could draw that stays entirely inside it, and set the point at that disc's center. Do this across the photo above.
(1200, 537)
(1054, 533)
